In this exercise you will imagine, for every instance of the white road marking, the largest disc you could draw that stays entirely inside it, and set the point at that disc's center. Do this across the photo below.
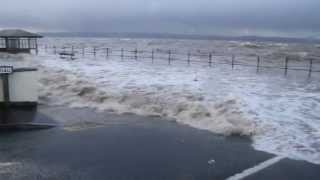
(256, 168)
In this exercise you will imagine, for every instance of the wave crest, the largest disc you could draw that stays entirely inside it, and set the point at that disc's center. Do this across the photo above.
(222, 117)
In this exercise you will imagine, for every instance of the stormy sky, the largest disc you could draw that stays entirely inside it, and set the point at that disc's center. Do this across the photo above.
(204, 17)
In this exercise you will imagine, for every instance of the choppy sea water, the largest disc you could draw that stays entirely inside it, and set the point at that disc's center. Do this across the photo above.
(281, 113)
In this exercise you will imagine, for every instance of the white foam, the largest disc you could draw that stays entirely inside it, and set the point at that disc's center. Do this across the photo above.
(280, 113)
(223, 117)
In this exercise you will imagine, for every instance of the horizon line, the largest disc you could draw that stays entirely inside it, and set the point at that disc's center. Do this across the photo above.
(158, 35)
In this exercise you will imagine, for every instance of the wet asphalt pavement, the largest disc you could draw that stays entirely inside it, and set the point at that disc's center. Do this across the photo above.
(128, 147)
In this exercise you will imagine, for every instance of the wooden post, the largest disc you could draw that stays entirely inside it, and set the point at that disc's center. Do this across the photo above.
(210, 59)
(310, 67)
(286, 65)
(122, 53)
(189, 58)
(136, 54)
(152, 55)
(169, 57)
(258, 64)
(232, 62)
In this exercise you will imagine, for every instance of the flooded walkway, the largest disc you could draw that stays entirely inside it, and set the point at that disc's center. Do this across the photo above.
(134, 147)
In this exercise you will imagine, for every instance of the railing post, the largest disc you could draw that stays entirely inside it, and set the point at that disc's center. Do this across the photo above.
(210, 59)
(258, 64)
(169, 57)
(189, 58)
(310, 67)
(107, 52)
(232, 61)
(122, 53)
(286, 65)
(152, 56)
(136, 54)
(94, 51)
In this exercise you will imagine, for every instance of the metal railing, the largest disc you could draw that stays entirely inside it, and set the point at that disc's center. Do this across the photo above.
(310, 65)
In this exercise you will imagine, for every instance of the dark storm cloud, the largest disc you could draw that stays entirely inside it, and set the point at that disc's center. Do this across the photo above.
(173, 16)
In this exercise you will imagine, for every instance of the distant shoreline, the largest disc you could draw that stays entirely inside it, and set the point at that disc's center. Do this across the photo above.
(180, 36)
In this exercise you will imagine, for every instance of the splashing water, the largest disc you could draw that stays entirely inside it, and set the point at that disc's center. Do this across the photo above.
(280, 113)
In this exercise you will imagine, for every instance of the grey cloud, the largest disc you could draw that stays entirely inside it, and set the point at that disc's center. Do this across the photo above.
(173, 16)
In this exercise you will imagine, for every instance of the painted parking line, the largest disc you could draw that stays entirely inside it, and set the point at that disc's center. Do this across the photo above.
(256, 168)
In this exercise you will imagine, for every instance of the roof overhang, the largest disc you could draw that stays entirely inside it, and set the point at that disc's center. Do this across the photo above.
(18, 33)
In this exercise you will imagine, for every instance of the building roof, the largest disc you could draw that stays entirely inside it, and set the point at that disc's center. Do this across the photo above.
(18, 33)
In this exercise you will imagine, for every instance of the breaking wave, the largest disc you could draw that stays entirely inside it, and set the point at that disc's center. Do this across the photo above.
(223, 117)
(280, 113)
(251, 45)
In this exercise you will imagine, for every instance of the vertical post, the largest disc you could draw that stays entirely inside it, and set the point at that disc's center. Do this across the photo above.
(210, 60)
(152, 56)
(6, 96)
(72, 49)
(189, 58)
(136, 54)
(7, 42)
(29, 44)
(18, 43)
(94, 51)
(232, 61)
(107, 52)
(169, 57)
(258, 64)
(310, 67)
(37, 50)
(6, 93)
(54, 50)
(122, 53)
(286, 65)
(83, 51)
